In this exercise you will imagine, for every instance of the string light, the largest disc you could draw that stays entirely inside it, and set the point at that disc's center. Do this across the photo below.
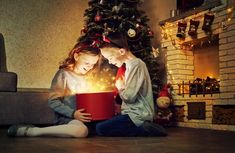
(167, 29)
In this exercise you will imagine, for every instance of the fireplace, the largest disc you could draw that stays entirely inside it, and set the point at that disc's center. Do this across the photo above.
(201, 68)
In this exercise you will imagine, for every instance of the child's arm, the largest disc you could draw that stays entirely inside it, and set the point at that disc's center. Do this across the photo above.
(133, 83)
(57, 93)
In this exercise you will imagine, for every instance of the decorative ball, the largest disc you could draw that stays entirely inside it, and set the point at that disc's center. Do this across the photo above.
(131, 33)
(97, 18)
(150, 33)
(137, 25)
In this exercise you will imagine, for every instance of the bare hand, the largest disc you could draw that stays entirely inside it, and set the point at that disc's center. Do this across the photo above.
(120, 83)
(81, 116)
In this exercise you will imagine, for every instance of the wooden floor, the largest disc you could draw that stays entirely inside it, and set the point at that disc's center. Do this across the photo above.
(180, 140)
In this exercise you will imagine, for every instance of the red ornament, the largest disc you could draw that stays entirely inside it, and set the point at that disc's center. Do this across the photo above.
(105, 39)
(150, 33)
(98, 17)
(120, 73)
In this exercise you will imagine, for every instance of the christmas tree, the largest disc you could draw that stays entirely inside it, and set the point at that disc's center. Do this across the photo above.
(106, 16)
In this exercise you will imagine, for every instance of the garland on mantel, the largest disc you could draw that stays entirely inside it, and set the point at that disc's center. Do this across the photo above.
(208, 17)
(167, 33)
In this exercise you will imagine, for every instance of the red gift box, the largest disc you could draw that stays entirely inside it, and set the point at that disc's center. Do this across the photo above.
(100, 105)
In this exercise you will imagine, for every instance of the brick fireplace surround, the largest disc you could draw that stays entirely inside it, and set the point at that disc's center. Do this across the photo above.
(181, 67)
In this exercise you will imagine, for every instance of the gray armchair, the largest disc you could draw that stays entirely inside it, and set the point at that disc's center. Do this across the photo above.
(20, 107)
(8, 80)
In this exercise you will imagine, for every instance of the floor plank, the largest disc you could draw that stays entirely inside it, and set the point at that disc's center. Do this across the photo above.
(180, 140)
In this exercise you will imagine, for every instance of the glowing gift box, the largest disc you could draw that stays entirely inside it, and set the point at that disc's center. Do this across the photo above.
(100, 105)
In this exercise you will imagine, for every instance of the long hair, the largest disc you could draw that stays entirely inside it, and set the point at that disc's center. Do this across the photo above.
(69, 62)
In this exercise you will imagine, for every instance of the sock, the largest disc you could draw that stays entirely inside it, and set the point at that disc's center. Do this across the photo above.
(22, 131)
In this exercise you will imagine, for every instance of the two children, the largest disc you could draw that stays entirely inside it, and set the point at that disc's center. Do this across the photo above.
(134, 88)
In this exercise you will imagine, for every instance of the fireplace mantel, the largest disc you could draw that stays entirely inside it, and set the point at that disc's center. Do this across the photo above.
(208, 5)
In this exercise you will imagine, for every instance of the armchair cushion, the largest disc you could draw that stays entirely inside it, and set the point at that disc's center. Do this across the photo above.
(8, 81)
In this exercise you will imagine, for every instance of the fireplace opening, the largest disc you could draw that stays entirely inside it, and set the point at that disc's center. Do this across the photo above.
(206, 59)
(205, 68)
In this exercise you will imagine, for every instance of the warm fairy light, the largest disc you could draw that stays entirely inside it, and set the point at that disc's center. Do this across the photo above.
(229, 10)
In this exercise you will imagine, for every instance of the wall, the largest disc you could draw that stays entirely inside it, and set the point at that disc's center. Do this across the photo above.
(39, 33)
(158, 10)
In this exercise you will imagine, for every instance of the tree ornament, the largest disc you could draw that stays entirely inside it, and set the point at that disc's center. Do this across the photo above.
(115, 17)
(131, 33)
(133, 17)
(182, 25)
(155, 52)
(105, 25)
(105, 38)
(84, 30)
(150, 33)
(117, 8)
(102, 2)
(208, 20)
(138, 19)
(96, 43)
(98, 17)
(193, 27)
(107, 30)
(137, 25)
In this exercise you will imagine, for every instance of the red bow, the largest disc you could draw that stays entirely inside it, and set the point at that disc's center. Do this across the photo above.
(105, 39)
(120, 73)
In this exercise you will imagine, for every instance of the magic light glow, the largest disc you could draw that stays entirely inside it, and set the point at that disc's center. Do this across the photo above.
(104, 81)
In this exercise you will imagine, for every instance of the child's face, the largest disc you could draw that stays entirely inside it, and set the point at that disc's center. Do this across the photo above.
(113, 55)
(84, 62)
